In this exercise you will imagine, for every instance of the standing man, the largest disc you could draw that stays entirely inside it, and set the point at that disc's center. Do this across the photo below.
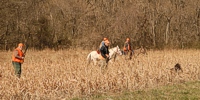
(104, 57)
(18, 59)
(127, 48)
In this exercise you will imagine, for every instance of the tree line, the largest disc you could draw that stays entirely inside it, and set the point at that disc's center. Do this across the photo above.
(63, 24)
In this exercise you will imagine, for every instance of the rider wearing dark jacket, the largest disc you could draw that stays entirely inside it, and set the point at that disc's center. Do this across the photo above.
(104, 51)
(104, 54)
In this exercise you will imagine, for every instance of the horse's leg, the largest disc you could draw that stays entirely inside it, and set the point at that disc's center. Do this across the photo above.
(88, 59)
(114, 58)
(111, 61)
(95, 62)
(88, 62)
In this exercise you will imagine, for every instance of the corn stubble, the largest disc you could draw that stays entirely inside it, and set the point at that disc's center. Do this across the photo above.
(64, 74)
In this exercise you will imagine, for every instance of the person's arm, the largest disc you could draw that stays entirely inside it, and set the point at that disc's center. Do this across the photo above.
(124, 47)
(16, 54)
(103, 43)
(107, 51)
(100, 45)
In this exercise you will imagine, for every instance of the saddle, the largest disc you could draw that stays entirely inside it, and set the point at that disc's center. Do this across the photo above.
(98, 51)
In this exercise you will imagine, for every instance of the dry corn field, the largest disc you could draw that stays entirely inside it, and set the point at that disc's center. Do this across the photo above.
(63, 74)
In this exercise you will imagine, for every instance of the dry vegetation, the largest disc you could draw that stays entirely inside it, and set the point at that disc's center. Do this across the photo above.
(58, 24)
(63, 74)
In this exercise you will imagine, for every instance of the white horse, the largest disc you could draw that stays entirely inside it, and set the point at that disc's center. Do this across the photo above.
(94, 56)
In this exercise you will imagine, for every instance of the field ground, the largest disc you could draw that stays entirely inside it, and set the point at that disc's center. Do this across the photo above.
(50, 75)
(183, 91)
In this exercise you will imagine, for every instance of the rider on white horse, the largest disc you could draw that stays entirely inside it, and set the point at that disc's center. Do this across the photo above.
(102, 43)
(104, 57)
(94, 55)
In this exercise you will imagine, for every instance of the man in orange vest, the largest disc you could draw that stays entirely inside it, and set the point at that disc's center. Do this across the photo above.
(18, 59)
(127, 48)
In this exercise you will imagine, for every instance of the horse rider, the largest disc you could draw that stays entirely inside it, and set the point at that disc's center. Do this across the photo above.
(127, 48)
(104, 57)
(102, 44)
(18, 59)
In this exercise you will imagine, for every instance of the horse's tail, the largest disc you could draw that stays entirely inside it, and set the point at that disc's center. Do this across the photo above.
(89, 58)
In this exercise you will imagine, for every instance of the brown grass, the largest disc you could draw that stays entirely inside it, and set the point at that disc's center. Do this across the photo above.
(63, 74)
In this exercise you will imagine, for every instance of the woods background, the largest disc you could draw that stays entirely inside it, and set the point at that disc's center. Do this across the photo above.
(63, 24)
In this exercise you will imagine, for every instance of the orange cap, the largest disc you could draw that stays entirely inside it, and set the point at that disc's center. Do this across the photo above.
(127, 39)
(107, 42)
(20, 44)
(105, 39)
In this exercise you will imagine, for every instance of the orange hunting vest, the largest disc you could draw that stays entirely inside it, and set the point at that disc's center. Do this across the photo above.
(16, 59)
(127, 47)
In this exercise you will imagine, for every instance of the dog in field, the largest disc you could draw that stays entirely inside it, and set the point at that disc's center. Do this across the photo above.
(177, 68)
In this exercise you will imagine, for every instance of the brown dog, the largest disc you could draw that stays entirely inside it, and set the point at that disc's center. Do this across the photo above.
(176, 68)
